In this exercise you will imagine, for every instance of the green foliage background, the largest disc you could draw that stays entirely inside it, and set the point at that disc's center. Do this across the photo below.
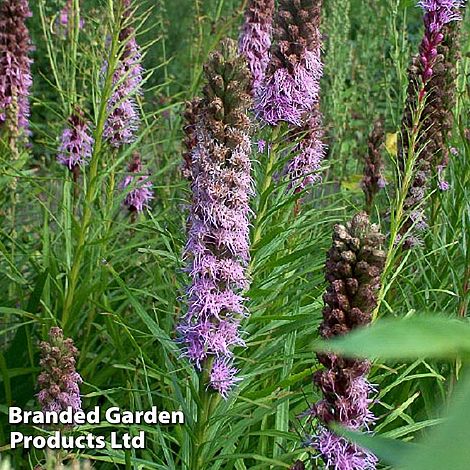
(130, 289)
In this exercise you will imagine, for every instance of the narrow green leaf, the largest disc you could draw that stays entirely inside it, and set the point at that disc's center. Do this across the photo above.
(419, 337)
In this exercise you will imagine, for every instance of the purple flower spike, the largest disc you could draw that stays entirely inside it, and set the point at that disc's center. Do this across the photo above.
(290, 91)
(15, 74)
(123, 116)
(218, 224)
(255, 38)
(76, 144)
(432, 86)
(438, 13)
(59, 381)
(138, 198)
(353, 269)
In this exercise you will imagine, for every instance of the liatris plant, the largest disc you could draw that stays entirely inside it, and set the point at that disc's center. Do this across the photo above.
(353, 269)
(290, 92)
(304, 168)
(373, 180)
(218, 245)
(15, 76)
(432, 90)
(292, 83)
(76, 143)
(190, 139)
(138, 197)
(123, 117)
(59, 381)
(255, 38)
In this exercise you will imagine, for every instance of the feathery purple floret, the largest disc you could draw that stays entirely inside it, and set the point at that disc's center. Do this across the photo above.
(123, 116)
(261, 145)
(442, 184)
(440, 12)
(64, 14)
(255, 38)
(76, 144)
(340, 454)
(137, 199)
(223, 376)
(15, 74)
(59, 381)
(218, 225)
(289, 95)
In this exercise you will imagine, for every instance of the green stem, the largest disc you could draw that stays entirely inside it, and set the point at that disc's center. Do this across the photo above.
(197, 454)
(398, 215)
(267, 180)
(93, 178)
(207, 403)
(110, 193)
(74, 36)
(50, 54)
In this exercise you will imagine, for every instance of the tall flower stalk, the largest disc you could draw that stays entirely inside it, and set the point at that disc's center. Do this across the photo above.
(353, 269)
(123, 116)
(59, 381)
(293, 75)
(93, 186)
(431, 87)
(218, 238)
(15, 64)
(255, 38)
(290, 92)
(218, 232)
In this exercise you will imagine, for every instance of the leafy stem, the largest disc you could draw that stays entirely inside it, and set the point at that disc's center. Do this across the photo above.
(93, 176)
